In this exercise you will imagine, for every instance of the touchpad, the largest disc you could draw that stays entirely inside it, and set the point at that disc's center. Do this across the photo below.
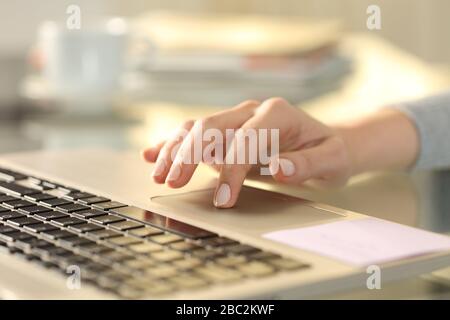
(257, 210)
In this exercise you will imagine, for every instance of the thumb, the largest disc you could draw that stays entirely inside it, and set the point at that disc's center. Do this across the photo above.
(327, 161)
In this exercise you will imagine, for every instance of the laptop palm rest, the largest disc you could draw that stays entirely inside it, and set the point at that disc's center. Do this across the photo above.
(257, 210)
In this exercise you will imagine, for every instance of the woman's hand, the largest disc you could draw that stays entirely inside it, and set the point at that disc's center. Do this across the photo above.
(308, 149)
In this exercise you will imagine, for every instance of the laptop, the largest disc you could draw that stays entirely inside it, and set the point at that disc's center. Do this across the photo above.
(91, 224)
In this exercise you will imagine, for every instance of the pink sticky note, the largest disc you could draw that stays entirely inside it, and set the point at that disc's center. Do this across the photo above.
(363, 242)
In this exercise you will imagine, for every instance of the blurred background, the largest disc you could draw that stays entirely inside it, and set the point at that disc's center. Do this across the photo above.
(176, 57)
(135, 69)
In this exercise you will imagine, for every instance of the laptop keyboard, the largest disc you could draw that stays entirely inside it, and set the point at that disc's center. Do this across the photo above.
(123, 249)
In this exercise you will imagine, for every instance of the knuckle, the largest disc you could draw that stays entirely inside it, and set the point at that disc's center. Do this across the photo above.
(277, 100)
(248, 104)
(274, 104)
(245, 131)
(188, 123)
(207, 122)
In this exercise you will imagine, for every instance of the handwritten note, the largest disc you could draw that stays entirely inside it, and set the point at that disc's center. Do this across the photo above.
(363, 242)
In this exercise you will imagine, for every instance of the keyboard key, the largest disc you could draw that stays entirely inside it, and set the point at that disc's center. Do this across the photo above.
(67, 189)
(166, 238)
(9, 175)
(139, 263)
(23, 221)
(33, 209)
(39, 197)
(218, 274)
(5, 198)
(10, 215)
(145, 232)
(92, 269)
(207, 254)
(125, 225)
(184, 246)
(29, 243)
(15, 189)
(123, 241)
(240, 249)
(188, 281)
(15, 204)
(59, 251)
(12, 236)
(78, 195)
(85, 227)
(7, 229)
(162, 271)
(40, 185)
(218, 242)
(117, 275)
(167, 255)
(108, 205)
(231, 261)
(116, 256)
(152, 287)
(93, 200)
(162, 222)
(41, 227)
(75, 241)
(145, 248)
(188, 263)
(103, 234)
(107, 219)
(111, 279)
(89, 213)
(74, 260)
(50, 215)
(55, 202)
(57, 234)
(256, 269)
(263, 255)
(71, 207)
(49, 184)
(129, 292)
(287, 264)
(94, 248)
(64, 222)
(36, 180)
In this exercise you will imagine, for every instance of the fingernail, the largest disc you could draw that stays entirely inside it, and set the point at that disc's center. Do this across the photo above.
(174, 173)
(274, 166)
(160, 166)
(287, 167)
(223, 195)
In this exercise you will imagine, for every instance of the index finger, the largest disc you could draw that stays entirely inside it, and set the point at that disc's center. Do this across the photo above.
(184, 165)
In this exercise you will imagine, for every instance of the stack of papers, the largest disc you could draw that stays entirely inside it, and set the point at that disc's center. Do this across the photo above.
(225, 60)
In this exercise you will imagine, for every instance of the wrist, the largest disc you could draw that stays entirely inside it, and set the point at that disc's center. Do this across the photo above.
(349, 135)
(386, 139)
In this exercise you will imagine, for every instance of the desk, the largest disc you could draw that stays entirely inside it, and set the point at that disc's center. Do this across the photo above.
(383, 75)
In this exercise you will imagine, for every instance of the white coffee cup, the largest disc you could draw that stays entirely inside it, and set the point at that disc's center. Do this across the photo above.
(84, 63)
